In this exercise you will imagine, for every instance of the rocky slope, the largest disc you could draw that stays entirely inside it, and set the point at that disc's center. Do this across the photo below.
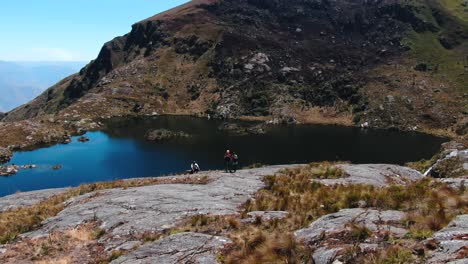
(386, 63)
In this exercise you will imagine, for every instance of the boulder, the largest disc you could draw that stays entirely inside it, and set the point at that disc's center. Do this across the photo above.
(379, 175)
(161, 135)
(9, 170)
(30, 166)
(326, 255)
(67, 139)
(265, 216)
(452, 164)
(83, 139)
(5, 155)
(179, 248)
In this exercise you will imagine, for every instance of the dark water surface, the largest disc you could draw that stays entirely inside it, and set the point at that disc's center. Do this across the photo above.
(120, 151)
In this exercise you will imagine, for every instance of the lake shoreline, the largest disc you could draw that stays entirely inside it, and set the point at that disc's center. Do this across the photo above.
(120, 149)
(58, 131)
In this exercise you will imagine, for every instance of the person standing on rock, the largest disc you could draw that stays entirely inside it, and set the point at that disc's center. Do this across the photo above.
(227, 161)
(235, 162)
(195, 168)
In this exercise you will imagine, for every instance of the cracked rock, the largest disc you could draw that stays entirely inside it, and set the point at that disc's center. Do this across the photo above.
(179, 248)
(379, 175)
(376, 221)
(452, 242)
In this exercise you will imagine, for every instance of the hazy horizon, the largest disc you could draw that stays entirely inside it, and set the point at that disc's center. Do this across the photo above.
(62, 31)
(21, 82)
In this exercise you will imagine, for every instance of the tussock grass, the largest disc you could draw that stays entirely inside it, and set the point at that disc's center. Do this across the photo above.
(394, 254)
(56, 248)
(317, 170)
(22, 220)
(429, 207)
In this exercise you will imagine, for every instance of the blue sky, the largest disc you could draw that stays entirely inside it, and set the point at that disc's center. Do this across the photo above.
(65, 30)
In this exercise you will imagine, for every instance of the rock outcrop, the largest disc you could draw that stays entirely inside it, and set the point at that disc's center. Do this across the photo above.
(83, 139)
(378, 175)
(338, 223)
(9, 170)
(5, 155)
(26, 199)
(179, 248)
(126, 217)
(452, 242)
(161, 135)
(453, 162)
(255, 216)
(126, 212)
(333, 234)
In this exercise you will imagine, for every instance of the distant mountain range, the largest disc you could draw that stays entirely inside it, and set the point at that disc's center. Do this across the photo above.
(20, 82)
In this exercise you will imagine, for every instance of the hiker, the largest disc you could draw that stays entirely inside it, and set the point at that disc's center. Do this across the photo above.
(195, 168)
(227, 161)
(235, 162)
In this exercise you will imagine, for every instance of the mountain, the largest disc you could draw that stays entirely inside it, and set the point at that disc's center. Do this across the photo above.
(21, 82)
(384, 63)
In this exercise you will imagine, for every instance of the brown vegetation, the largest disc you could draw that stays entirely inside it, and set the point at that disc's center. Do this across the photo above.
(429, 207)
(73, 246)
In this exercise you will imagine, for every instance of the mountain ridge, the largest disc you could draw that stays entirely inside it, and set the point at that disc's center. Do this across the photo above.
(384, 64)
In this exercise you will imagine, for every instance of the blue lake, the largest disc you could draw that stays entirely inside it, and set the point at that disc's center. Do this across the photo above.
(121, 151)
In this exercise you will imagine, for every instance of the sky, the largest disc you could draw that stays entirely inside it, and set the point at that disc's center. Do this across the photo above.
(68, 30)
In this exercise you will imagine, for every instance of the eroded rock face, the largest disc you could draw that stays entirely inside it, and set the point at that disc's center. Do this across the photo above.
(452, 242)
(378, 175)
(179, 248)
(5, 155)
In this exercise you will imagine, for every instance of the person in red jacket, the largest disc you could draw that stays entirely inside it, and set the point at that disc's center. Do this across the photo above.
(227, 161)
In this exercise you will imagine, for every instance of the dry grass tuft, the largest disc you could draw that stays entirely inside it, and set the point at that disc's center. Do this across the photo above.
(317, 170)
(257, 246)
(395, 254)
(58, 247)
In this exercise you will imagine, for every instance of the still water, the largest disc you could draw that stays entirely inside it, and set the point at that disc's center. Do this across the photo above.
(121, 151)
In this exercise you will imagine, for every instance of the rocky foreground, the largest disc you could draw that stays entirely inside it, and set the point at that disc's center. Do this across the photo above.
(137, 225)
